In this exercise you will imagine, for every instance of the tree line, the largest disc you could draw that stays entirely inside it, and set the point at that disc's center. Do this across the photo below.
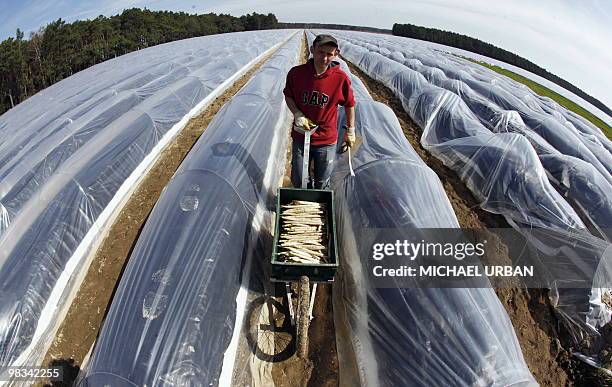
(61, 49)
(478, 46)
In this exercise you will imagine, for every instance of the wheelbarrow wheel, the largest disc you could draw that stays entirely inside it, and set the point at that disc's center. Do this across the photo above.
(303, 319)
(270, 332)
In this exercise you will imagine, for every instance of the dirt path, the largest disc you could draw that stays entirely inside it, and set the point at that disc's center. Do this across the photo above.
(529, 310)
(79, 330)
(321, 368)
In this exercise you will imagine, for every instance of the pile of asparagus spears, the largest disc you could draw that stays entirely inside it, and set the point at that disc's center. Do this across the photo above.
(303, 234)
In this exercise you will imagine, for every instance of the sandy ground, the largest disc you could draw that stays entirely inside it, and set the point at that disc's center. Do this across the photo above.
(278, 363)
(321, 368)
(80, 328)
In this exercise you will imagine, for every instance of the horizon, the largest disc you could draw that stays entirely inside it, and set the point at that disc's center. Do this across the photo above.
(567, 39)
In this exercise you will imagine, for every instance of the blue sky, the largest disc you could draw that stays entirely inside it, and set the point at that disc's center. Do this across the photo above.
(572, 39)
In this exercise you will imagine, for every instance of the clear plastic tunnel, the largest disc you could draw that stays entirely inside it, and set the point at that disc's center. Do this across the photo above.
(409, 336)
(174, 313)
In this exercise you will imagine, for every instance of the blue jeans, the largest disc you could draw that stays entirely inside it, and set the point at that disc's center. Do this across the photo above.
(321, 158)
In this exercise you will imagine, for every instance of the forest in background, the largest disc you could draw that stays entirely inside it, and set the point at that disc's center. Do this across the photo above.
(60, 49)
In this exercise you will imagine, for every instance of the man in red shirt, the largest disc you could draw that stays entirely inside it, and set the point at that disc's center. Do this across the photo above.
(313, 92)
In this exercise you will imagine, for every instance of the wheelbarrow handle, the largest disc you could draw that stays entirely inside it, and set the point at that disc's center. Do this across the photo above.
(306, 155)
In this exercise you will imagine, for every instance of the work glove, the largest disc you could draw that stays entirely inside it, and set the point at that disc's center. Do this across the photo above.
(349, 137)
(301, 121)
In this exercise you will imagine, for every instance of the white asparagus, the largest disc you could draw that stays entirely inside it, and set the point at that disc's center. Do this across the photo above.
(292, 256)
(308, 223)
(301, 243)
(305, 209)
(301, 216)
(302, 222)
(302, 240)
(299, 253)
(302, 212)
(303, 236)
(315, 247)
(311, 246)
(309, 209)
(298, 239)
(306, 206)
(303, 233)
(304, 249)
(295, 238)
(300, 259)
(304, 203)
(314, 254)
(291, 243)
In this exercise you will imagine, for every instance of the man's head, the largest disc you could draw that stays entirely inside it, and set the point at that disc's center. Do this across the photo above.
(324, 49)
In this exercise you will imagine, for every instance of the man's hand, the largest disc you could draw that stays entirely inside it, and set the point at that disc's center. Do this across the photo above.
(302, 122)
(349, 137)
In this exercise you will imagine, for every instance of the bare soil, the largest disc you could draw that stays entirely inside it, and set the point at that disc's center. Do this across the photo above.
(321, 367)
(80, 328)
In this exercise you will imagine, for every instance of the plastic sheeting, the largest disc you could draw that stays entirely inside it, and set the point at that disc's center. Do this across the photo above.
(407, 82)
(570, 133)
(72, 152)
(498, 120)
(502, 170)
(395, 336)
(173, 315)
(585, 187)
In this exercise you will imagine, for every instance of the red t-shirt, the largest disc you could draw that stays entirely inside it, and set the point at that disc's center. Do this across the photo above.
(318, 98)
